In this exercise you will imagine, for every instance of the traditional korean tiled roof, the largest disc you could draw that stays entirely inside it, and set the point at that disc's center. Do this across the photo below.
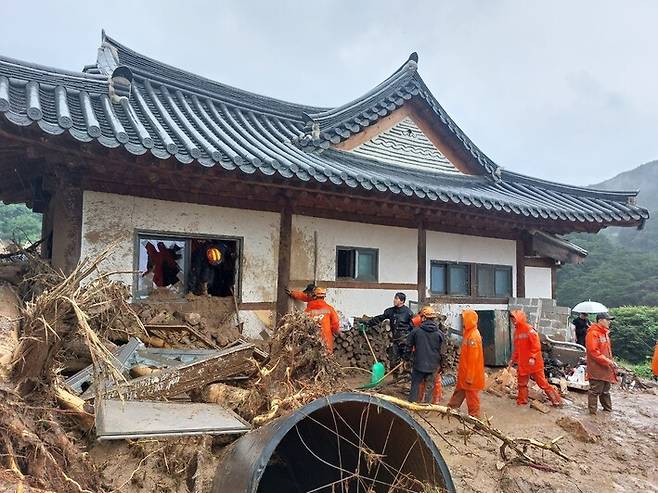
(131, 101)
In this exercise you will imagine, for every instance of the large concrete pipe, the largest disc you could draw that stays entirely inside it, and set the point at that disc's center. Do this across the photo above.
(347, 442)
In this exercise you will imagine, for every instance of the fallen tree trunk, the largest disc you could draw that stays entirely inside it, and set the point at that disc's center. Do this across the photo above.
(519, 445)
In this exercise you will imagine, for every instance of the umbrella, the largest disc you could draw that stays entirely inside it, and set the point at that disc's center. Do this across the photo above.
(590, 307)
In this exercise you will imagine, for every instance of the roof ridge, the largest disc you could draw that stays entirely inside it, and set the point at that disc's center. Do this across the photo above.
(404, 72)
(296, 109)
(564, 187)
(47, 69)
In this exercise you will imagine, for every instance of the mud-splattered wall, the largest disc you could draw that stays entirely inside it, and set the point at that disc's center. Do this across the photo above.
(109, 218)
(397, 252)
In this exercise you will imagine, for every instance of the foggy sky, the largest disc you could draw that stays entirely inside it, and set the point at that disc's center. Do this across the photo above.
(562, 90)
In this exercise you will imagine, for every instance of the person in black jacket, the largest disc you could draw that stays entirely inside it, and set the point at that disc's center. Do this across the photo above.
(581, 324)
(426, 341)
(399, 316)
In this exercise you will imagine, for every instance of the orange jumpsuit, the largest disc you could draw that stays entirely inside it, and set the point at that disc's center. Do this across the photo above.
(470, 372)
(321, 311)
(437, 391)
(527, 346)
(654, 361)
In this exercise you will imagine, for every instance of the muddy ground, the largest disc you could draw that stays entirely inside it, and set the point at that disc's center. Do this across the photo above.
(623, 458)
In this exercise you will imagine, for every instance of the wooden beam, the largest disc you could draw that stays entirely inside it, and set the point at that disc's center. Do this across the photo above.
(348, 284)
(539, 262)
(520, 267)
(285, 252)
(382, 125)
(554, 281)
(170, 382)
(422, 261)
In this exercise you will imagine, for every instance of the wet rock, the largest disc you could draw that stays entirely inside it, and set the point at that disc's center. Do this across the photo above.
(581, 431)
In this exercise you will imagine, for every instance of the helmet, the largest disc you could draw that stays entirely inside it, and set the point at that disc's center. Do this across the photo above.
(319, 292)
(214, 255)
(428, 312)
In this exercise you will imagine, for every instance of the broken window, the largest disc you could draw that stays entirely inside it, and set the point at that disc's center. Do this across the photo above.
(172, 267)
(359, 264)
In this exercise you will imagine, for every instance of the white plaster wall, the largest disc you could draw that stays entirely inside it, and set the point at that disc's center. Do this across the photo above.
(538, 282)
(476, 249)
(110, 218)
(397, 248)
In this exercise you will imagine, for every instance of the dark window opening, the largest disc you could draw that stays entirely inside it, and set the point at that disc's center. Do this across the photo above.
(359, 264)
(172, 267)
(449, 279)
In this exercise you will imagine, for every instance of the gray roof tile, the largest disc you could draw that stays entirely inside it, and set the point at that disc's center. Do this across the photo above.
(131, 101)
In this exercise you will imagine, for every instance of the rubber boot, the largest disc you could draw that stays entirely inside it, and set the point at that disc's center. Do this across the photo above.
(421, 392)
(437, 393)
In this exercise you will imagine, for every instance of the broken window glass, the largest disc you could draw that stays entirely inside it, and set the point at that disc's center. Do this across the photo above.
(173, 267)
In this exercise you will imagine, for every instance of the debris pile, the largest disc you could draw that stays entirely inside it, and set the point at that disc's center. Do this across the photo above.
(503, 383)
(88, 358)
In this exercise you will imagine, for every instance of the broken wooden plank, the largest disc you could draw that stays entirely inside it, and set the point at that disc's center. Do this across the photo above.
(177, 380)
(118, 419)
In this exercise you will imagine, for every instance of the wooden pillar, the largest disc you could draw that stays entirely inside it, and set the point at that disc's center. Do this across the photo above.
(283, 277)
(554, 268)
(67, 225)
(520, 267)
(422, 262)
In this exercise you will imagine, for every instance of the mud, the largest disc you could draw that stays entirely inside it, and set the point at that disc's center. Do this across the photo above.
(623, 458)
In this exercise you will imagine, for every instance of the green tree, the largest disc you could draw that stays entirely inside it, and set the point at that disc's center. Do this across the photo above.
(634, 332)
(18, 223)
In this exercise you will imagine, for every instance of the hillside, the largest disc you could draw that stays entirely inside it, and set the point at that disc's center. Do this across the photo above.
(622, 267)
(643, 178)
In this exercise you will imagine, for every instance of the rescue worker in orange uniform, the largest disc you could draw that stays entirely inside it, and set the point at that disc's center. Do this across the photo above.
(600, 365)
(527, 356)
(321, 311)
(654, 362)
(470, 372)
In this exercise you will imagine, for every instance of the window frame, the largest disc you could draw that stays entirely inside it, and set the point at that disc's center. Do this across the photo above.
(494, 267)
(140, 234)
(357, 277)
(448, 264)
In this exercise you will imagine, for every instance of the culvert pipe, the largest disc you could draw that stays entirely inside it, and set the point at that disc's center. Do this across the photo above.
(347, 442)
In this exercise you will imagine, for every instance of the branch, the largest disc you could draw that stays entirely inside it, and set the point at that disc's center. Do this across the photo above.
(518, 445)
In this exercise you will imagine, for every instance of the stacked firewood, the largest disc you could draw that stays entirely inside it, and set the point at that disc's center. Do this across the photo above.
(351, 347)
